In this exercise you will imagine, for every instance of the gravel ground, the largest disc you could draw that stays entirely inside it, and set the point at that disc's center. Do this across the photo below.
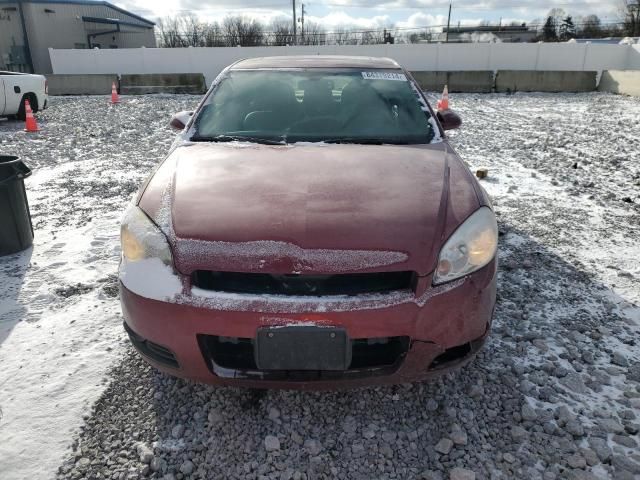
(555, 394)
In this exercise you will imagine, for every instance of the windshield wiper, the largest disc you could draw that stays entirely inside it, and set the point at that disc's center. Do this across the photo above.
(238, 138)
(367, 141)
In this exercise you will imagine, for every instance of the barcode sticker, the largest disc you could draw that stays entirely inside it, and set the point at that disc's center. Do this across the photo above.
(399, 77)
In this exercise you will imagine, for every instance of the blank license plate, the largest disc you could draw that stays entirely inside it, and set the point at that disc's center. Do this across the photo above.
(302, 348)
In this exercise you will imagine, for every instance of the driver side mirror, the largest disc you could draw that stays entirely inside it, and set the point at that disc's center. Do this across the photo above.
(180, 120)
(449, 119)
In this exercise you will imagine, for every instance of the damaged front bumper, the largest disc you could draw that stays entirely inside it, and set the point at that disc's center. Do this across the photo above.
(213, 340)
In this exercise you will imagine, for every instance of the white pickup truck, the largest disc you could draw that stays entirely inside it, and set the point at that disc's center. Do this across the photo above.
(16, 87)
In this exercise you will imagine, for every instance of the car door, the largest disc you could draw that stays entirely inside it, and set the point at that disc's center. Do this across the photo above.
(3, 100)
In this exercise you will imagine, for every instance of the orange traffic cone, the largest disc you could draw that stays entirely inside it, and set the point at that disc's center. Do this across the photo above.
(443, 103)
(114, 94)
(30, 124)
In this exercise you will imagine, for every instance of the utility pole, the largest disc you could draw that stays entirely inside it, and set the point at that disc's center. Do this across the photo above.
(448, 24)
(295, 24)
(302, 22)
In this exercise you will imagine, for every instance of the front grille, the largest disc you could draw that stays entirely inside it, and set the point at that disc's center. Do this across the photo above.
(234, 357)
(303, 285)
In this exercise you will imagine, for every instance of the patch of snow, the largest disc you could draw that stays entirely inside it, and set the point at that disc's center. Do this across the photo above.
(150, 278)
(224, 301)
(249, 255)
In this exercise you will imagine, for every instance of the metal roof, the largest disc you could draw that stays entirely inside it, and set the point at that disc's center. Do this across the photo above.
(90, 3)
(316, 61)
(113, 21)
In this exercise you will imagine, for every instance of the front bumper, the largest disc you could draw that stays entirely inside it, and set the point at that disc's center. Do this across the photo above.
(443, 333)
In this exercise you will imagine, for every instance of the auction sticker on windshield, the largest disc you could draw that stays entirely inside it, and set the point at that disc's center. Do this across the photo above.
(401, 77)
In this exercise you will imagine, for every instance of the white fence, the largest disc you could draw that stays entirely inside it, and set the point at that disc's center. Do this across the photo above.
(426, 57)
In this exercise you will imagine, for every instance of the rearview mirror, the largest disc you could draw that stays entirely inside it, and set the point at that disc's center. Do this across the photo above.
(180, 120)
(449, 119)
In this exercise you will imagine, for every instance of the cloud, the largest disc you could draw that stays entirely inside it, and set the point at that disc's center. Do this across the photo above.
(342, 19)
(375, 13)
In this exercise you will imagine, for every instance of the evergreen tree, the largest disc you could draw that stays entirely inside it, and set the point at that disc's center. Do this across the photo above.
(567, 29)
(549, 30)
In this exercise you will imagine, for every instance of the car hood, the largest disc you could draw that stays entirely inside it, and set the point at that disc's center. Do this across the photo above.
(309, 208)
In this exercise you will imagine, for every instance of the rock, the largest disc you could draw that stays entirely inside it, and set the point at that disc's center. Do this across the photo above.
(622, 462)
(574, 383)
(634, 403)
(177, 431)
(389, 437)
(575, 428)
(625, 441)
(600, 446)
(313, 447)
(508, 457)
(590, 456)
(482, 172)
(619, 359)
(431, 405)
(271, 443)
(214, 417)
(632, 428)
(459, 437)
(430, 475)
(528, 413)
(610, 425)
(145, 454)
(461, 474)
(476, 391)
(582, 475)
(563, 414)
(297, 438)
(368, 433)
(187, 467)
(156, 464)
(518, 433)
(576, 461)
(274, 414)
(357, 449)
(386, 451)
(444, 446)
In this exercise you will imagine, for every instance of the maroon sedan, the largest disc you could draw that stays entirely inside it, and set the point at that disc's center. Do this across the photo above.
(311, 227)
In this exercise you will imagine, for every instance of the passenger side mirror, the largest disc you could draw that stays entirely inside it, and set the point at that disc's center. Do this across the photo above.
(180, 120)
(449, 119)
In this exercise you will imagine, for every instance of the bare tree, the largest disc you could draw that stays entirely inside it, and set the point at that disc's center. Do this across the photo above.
(192, 30)
(314, 34)
(591, 27)
(213, 36)
(281, 32)
(169, 32)
(342, 36)
(242, 31)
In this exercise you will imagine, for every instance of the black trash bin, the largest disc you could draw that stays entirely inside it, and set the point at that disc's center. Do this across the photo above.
(16, 231)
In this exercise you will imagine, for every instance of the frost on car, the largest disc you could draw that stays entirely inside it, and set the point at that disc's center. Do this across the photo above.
(311, 227)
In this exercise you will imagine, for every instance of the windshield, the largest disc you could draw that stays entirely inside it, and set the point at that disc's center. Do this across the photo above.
(337, 106)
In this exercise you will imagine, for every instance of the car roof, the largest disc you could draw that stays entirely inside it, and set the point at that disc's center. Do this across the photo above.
(316, 61)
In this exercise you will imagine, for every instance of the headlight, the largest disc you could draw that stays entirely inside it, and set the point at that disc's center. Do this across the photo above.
(146, 268)
(141, 239)
(472, 246)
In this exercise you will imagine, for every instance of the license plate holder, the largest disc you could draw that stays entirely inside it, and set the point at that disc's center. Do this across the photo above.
(302, 348)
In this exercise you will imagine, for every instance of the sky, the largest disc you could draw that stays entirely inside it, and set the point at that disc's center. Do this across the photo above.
(378, 13)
